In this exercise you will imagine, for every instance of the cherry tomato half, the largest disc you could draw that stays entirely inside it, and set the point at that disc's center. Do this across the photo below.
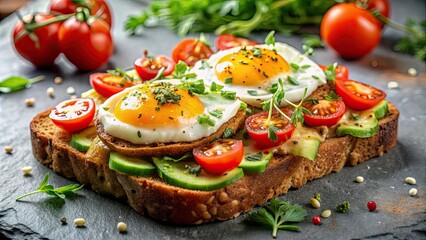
(324, 112)
(257, 128)
(342, 72)
(350, 31)
(148, 67)
(220, 156)
(107, 84)
(359, 96)
(73, 115)
(227, 41)
(86, 43)
(97, 7)
(42, 51)
(190, 50)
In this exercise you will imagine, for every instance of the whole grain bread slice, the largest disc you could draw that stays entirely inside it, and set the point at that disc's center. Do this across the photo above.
(152, 197)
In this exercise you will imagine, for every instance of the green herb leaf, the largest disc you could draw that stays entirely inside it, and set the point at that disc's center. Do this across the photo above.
(180, 69)
(228, 94)
(343, 207)
(106, 108)
(330, 72)
(270, 38)
(228, 80)
(215, 87)
(205, 119)
(277, 215)
(254, 157)
(186, 156)
(204, 65)
(294, 66)
(257, 52)
(16, 83)
(216, 113)
(313, 100)
(61, 192)
(355, 116)
(243, 105)
(292, 80)
(313, 41)
(308, 50)
(332, 96)
(194, 170)
(121, 73)
(165, 92)
(252, 92)
(228, 132)
(139, 134)
(272, 133)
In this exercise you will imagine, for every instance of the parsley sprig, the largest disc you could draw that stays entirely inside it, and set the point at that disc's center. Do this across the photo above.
(121, 73)
(278, 214)
(61, 192)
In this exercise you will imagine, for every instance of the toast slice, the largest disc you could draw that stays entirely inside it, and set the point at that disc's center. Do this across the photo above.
(150, 196)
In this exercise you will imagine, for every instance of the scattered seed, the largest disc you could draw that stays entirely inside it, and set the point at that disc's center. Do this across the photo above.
(316, 220)
(50, 92)
(58, 80)
(393, 85)
(63, 220)
(27, 170)
(315, 203)
(412, 72)
(122, 227)
(371, 205)
(413, 192)
(80, 222)
(410, 180)
(8, 149)
(70, 90)
(326, 213)
(30, 101)
(359, 179)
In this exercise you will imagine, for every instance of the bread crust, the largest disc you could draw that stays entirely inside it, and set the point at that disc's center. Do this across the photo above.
(163, 149)
(152, 197)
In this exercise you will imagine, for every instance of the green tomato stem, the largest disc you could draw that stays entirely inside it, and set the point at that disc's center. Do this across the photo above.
(395, 25)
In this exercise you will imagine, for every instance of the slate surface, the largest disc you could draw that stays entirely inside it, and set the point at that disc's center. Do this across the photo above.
(399, 216)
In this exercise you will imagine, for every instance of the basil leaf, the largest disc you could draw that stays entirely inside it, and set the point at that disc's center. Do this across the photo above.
(254, 157)
(16, 83)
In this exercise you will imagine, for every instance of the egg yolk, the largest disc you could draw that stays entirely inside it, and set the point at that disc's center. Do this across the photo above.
(251, 66)
(162, 104)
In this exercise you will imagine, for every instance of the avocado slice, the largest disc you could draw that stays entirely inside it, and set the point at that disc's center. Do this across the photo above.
(82, 140)
(256, 163)
(304, 147)
(363, 126)
(177, 174)
(130, 165)
(380, 110)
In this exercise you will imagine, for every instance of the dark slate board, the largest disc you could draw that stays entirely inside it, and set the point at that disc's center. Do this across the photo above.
(399, 216)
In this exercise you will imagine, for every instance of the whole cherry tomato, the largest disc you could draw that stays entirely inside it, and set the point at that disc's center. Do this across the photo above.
(148, 67)
(86, 43)
(351, 31)
(190, 50)
(227, 41)
(97, 7)
(40, 46)
(73, 115)
(220, 156)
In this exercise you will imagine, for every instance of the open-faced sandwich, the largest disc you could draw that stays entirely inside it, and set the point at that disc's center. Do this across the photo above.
(213, 141)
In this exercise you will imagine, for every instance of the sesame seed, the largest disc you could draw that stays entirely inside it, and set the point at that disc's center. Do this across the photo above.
(70, 90)
(410, 180)
(8, 149)
(80, 222)
(359, 179)
(27, 170)
(393, 85)
(412, 72)
(412, 192)
(50, 92)
(57, 80)
(122, 227)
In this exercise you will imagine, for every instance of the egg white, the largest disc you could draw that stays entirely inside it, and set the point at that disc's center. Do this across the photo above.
(184, 133)
(293, 93)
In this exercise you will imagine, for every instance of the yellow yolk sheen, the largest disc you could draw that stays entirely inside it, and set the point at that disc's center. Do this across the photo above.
(251, 66)
(163, 105)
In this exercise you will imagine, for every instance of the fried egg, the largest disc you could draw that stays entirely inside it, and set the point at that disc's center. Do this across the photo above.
(253, 70)
(164, 112)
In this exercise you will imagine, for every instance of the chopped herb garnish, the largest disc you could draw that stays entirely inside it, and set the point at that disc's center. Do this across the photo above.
(106, 108)
(313, 100)
(243, 105)
(215, 87)
(270, 38)
(139, 134)
(308, 50)
(254, 157)
(61, 192)
(257, 52)
(228, 80)
(194, 170)
(227, 133)
(343, 207)
(330, 72)
(187, 155)
(204, 65)
(273, 88)
(228, 94)
(193, 86)
(157, 109)
(252, 92)
(243, 62)
(121, 73)
(306, 66)
(292, 80)
(355, 116)
(165, 93)
(216, 113)
(294, 66)
(332, 96)
(313, 41)
(277, 215)
(264, 74)
(318, 197)
(180, 71)
(171, 118)
(272, 133)
(315, 77)
(205, 119)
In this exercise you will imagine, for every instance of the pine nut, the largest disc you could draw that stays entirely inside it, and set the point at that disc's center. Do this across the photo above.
(412, 192)
(58, 80)
(80, 222)
(359, 179)
(8, 149)
(392, 85)
(50, 92)
(315, 203)
(412, 72)
(27, 170)
(326, 213)
(29, 102)
(122, 227)
(70, 90)
(410, 180)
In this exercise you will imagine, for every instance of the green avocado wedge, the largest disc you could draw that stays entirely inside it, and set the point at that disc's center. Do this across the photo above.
(255, 163)
(130, 165)
(177, 174)
(364, 126)
(304, 147)
(380, 110)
